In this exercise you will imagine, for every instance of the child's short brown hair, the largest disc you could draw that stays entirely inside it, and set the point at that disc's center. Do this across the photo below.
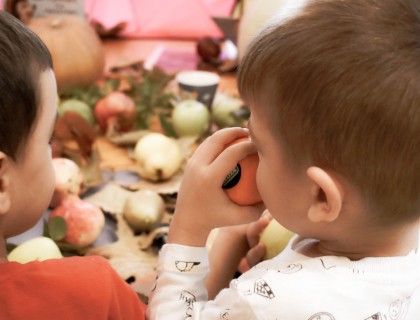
(339, 84)
(23, 56)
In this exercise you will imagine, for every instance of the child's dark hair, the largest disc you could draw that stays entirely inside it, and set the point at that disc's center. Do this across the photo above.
(11, 7)
(339, 85)
(23, 56)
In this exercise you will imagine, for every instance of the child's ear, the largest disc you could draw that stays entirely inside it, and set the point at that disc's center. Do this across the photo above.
(327, 195)
(4, 186)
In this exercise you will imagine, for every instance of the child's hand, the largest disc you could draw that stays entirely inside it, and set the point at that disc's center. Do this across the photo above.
(202, 204)
(235, 249)
(257, 249)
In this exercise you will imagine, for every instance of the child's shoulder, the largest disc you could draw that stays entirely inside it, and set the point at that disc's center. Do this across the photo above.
(70, 265)
(89, 285)
(71, 273)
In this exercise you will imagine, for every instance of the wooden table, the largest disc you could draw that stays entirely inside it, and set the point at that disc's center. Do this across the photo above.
(126, 51)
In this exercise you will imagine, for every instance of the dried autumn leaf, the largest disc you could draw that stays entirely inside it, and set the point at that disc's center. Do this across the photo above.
(129, 138)
(111, 198)
(170, 186)
(127, 258)
(72, 126)
(114, 157)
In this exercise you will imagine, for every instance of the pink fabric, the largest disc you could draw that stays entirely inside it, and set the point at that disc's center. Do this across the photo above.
(219, 8)
(161, 18)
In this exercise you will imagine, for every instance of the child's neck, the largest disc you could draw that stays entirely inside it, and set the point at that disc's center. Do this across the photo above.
(3, 252)
(370, 243)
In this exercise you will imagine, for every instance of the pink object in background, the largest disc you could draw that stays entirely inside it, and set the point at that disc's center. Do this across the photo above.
(109, 14)
(172, 59)
(1, 5)
(219, 8)
(180, 19)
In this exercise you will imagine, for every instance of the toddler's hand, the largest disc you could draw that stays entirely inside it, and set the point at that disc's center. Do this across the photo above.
(257, 249)
(202, 205)
(234, 249)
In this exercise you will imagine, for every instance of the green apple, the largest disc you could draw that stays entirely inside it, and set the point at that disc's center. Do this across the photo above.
(36, 249)
(190, 118)
(223, 107)
(275, 237)
(81, 107)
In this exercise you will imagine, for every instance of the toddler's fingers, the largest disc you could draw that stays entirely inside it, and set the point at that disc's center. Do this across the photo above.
(255, 254)
(254, 230)
(243, 265)
(209, 150)
(239, 215)
(227, 160)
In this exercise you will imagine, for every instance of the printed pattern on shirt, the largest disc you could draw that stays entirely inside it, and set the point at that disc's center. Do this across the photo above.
(263, 289)
(189, 299)
(322, 316)
(185, 266)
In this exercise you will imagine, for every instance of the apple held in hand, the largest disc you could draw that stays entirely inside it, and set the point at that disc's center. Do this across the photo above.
(190, 118)
(36, 249)
(84, 220)
(241, 183)
(275, 237)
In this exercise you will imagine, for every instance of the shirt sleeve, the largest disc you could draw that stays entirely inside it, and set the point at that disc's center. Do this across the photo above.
(180, 291)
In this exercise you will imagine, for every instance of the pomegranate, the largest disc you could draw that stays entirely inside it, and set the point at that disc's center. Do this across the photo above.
(115, 113)
(85, 221)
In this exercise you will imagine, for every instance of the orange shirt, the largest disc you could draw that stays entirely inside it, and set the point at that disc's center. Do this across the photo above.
(69, 288)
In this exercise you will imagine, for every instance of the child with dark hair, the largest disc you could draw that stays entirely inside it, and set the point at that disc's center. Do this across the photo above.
(334, 92)
(68, 288)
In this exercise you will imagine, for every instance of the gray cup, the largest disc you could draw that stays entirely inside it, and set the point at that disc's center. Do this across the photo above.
(198, 85)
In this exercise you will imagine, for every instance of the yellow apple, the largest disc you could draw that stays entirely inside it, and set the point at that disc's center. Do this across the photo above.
(275, 237)
(36, 249)
(143, 210)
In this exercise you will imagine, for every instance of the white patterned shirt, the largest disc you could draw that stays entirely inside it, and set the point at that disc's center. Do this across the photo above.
(291, 286)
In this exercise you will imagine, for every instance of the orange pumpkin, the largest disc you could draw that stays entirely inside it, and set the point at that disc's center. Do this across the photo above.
(77, 52)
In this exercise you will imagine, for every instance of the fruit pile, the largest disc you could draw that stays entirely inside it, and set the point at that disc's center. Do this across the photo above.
(133, 122)
(129, 120)
(127, 103)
